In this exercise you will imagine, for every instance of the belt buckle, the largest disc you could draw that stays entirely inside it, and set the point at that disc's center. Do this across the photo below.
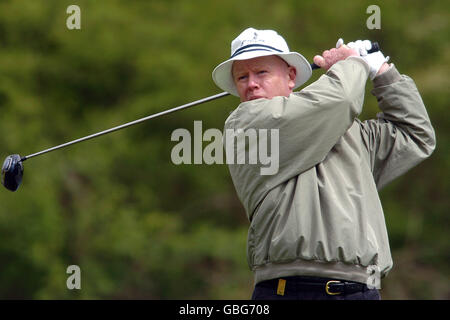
(327, 288)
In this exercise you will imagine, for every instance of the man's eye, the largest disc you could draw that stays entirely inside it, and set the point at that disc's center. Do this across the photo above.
(242, 78)
(262, 71)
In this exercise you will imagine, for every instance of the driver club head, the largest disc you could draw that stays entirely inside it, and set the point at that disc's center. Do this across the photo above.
(12, 172)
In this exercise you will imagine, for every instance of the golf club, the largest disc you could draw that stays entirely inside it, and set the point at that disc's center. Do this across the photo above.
(12, 169)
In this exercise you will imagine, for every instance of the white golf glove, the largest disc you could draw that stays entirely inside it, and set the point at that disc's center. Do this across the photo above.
(361, 46)
(339, 43)
(375, 59)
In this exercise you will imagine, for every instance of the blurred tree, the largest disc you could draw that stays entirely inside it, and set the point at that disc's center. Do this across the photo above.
(138, 225)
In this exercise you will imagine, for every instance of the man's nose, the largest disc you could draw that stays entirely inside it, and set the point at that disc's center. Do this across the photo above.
(253, 81)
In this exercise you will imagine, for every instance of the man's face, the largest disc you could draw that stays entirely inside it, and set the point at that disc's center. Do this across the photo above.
(263, 77)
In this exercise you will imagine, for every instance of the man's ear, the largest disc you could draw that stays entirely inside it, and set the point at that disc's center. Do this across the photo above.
(292, 75)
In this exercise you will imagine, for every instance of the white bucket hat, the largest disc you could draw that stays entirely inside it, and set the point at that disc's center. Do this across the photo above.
(252, 43)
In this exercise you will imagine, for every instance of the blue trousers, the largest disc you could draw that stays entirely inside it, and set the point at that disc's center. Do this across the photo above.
(307, 288)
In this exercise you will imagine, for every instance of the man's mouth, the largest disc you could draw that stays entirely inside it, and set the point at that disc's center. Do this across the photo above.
(254, 97)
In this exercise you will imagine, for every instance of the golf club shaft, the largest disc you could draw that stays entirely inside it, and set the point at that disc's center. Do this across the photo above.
(128, 124)
(375, 47)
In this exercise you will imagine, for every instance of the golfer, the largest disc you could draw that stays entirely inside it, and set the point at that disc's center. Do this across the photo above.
(317, 227)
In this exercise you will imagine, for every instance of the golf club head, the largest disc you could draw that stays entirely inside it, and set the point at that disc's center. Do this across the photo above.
(12, 172)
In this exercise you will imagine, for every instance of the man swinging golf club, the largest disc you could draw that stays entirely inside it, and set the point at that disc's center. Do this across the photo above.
(317, 228)
(13, 168)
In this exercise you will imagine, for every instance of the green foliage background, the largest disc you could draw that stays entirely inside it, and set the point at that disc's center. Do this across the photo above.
(136, 224)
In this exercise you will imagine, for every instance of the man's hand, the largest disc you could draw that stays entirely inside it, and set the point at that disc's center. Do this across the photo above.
(384, 67)
(376, 60)
(330, 57)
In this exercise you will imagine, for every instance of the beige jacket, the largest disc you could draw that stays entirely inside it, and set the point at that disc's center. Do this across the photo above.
(321, 215)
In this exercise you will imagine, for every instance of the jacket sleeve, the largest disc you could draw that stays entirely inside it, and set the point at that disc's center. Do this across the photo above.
(402, 135)
(309, 123)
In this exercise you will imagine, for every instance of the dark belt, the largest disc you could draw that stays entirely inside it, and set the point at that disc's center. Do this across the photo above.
(303, 283)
